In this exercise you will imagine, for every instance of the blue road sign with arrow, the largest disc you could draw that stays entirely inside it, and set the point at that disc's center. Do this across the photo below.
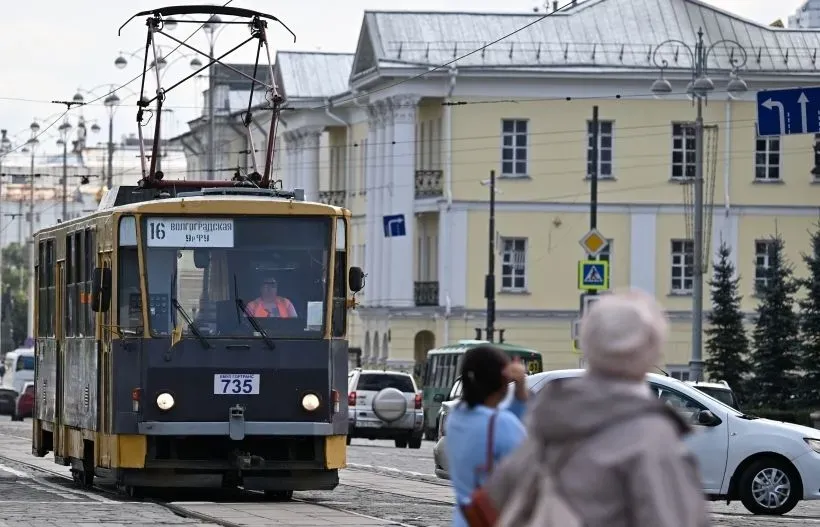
(792, 111)
(394, 226)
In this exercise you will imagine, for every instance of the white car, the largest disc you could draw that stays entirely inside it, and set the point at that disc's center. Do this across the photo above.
(768, 465)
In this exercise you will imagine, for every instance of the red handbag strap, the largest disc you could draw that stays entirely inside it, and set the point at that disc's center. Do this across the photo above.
(490, 443)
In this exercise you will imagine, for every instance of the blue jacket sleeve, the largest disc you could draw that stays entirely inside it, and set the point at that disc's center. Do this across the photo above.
(517, 408)
(509, 433)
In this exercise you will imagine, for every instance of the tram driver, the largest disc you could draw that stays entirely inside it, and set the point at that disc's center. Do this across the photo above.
(270, 304)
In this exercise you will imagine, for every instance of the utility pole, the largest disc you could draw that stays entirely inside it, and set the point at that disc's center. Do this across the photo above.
(31, 292)
(696, 362)
(593, 175)
(211, 117)
(65, 178)
(5, 147)
(110, 178)
(489, 283)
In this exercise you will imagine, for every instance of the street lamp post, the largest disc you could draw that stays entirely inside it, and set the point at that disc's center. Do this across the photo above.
(699, 89)
(5, 148)
(33, 143)
(64, 129)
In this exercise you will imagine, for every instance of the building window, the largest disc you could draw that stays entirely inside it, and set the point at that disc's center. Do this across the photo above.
(514, 264)
(764, 250)
(514, 147)
(683, 262)
(683, 151)
(767, 159)
(677, 371)
(604, 148)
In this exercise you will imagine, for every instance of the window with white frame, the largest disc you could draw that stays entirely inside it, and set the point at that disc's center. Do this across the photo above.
(605, 148)
(764, 250)
(514, 147)
(513, 264)
(683, 263)
(678, 371)
(683, 150)
(767, 159)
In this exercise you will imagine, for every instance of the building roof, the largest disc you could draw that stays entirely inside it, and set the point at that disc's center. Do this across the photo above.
(312, 75)
(619, 34)
(228, 77)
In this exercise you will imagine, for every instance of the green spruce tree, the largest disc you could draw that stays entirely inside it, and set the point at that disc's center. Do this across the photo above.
(727, 344)
(776, 356)
(810, 325)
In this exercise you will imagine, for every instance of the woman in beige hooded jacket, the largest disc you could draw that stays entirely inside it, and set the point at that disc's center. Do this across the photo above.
(616, 450)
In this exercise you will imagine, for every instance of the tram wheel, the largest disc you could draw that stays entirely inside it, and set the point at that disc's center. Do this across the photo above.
(133, 492)
(82, 478)
(279, 495)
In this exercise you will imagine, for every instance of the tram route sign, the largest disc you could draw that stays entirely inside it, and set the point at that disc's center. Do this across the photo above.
(216, 233)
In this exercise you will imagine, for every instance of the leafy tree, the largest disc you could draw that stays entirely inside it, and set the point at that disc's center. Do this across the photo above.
(776, 356)
(14, 297)
(726, 341)
(810, 324)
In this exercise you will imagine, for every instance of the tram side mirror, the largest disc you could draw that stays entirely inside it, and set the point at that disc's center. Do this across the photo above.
(100, 289)
(202, 258)
(355, 278)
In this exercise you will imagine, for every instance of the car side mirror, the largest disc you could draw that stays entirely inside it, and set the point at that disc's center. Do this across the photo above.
(355, 279)
(438, 398)
(707, 418)
(100, 289)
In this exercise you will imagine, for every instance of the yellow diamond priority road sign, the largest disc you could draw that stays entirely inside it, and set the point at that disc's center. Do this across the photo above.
(593, 243)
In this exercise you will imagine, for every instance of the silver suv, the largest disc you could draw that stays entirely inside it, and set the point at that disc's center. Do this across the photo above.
(384, 405)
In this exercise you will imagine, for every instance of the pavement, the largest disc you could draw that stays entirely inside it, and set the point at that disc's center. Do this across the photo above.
(383, 486)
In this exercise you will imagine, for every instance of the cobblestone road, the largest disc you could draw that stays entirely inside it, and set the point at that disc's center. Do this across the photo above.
(401, 500)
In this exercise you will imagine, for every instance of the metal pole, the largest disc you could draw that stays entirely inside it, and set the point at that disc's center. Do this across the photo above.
(65, 177)
(211, 118)
(593, 175)
(696, 363)
(110, 179)
(489, 284)
(30, 328)
(2, 246)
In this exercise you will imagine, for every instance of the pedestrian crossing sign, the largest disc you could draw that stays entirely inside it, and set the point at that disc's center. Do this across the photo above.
(593, 275)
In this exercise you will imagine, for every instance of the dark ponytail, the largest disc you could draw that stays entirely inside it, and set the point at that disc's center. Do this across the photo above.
(482, 374)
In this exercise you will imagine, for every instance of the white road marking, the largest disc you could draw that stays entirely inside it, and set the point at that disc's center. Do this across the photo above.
(15, 472)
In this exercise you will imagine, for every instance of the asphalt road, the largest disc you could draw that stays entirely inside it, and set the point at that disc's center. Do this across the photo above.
(396, 485)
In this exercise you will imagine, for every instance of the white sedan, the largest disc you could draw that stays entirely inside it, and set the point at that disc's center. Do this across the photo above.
(768, 465)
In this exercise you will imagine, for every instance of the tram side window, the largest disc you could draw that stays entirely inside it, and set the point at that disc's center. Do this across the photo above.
(128, 294)
(46, 290)
(339, 322)
(90, 253)
(70, 288)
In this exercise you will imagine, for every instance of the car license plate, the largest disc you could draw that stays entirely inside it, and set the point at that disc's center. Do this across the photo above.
(236, 384)
(368, 424)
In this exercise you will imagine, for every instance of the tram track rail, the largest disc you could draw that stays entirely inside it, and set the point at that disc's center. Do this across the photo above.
(178, 509)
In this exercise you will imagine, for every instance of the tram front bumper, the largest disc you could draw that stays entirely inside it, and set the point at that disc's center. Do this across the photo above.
(224, 428)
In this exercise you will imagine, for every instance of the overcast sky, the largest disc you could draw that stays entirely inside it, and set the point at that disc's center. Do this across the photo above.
(52, 47)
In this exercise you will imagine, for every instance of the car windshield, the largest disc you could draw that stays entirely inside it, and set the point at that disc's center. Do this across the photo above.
(25, 363)
(216, 272)
(724, 396)
(375, 382)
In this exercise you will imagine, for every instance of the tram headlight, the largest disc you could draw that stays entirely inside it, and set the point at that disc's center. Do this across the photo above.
(310, 402)
(165, 401)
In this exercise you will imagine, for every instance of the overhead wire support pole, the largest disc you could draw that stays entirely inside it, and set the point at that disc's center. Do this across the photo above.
(593, 175)
(489, 283)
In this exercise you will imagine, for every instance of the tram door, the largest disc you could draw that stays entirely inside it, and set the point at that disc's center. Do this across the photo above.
(60, 338)
(103, 335)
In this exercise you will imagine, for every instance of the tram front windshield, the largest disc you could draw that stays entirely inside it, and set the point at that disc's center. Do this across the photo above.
(237, 277)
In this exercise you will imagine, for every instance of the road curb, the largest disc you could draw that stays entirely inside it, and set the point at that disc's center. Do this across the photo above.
(396, 473)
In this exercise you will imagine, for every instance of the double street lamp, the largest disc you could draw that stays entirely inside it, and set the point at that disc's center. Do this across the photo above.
(64, 129)
(699, 88)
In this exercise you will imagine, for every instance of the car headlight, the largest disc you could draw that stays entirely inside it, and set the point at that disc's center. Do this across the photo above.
(165, 401)
(814, 444)
(310, 402)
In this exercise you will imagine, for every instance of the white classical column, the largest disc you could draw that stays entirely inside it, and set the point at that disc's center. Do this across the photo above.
(379, 293)
(311, 163)
(372, 221)
(386, 198)
(403, 194)
(290, 160)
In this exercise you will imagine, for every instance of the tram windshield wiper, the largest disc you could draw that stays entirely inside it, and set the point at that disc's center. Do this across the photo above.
(240, 304)
(190, 323)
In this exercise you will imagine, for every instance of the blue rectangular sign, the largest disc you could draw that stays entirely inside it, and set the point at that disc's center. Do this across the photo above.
(593, 275)
(394, 226)
(792, 111)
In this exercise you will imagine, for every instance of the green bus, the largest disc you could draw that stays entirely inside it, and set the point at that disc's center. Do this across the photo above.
(441, 370)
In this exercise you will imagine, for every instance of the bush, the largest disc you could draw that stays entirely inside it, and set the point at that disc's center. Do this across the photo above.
(799, 417)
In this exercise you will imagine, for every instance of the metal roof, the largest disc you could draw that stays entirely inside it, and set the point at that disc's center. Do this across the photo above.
(597, 33)
(312, 75)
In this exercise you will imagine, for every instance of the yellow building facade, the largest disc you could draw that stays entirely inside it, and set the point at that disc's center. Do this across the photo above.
(385, 133)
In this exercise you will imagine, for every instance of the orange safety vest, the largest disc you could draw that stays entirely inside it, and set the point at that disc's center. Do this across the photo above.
(257, 308)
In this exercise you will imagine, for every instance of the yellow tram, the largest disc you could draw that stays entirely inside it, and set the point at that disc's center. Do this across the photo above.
(156, 362)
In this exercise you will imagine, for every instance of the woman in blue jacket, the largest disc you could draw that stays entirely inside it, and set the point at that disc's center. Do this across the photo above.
(485, 374)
